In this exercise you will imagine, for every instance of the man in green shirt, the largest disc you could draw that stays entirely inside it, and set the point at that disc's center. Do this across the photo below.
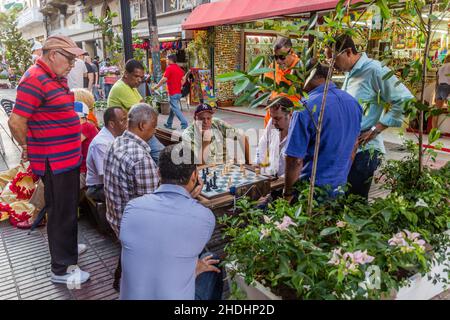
(124, 94)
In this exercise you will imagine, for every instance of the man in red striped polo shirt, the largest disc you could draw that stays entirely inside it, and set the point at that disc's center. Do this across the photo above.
(47, 128)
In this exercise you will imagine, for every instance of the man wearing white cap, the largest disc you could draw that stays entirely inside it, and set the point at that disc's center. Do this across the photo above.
(36, 51)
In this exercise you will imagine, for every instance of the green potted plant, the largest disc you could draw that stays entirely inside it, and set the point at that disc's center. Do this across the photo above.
(395, 247)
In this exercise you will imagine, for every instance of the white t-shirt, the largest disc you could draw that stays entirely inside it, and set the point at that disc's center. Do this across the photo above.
(272, 151)
(444, 74)
(75, 76)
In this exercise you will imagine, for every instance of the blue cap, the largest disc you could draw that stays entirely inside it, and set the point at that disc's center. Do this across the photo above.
(204, 107)
(81, 109)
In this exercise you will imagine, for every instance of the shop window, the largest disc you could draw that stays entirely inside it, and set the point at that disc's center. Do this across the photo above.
(138, 9)
(257, 45)
(159, 6)
(171, 5)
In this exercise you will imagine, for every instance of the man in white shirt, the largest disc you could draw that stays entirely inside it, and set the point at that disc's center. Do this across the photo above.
(75, 78)
(115, 120)
(270, 154)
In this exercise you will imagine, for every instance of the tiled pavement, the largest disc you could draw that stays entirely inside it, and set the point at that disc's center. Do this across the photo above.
(25, 261)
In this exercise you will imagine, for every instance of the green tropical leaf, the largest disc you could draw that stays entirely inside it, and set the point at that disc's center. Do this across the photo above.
(328, 231)
(260, 71)
(384, 8)
(262, 99)
(240, 86)
(256, 63)
(230, 76)
(434, 135)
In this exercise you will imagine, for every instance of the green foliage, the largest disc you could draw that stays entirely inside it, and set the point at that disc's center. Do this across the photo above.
(199, 48)
(303, 261)
(17, 49)
(100, 105)
(111, 39)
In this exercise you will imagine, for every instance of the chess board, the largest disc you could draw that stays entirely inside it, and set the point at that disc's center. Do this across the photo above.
(237, 179)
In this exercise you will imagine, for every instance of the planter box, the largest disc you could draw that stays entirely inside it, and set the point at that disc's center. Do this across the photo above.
(225, 103)
(420, 288)
(165, 108)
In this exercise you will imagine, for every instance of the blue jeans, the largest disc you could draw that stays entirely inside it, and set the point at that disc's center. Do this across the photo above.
(175, 109)
(107, 90)
(96, 93)
(361, 173)
(209, 285)
(155, 148)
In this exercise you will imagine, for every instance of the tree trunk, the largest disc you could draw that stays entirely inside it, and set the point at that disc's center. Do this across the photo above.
(154, 42)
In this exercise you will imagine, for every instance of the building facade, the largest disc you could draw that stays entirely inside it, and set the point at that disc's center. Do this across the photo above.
(30, 21)
(68, 17)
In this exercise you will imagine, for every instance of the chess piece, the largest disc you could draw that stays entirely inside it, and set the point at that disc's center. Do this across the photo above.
(213, 183)
(242, 168)
(244, 173)
(204, 176)
(257, 171)
(229, 182)
(207, 171)
(208, 186)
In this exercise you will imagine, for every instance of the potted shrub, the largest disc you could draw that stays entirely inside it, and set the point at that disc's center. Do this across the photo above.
(347, 249)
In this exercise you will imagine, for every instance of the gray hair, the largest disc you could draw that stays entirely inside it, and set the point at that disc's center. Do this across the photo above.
(141, 112)
(282, 42)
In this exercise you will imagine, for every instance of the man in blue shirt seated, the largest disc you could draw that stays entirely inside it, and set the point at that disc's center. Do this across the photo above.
(163, 235)
(364, 81)
(340, 130)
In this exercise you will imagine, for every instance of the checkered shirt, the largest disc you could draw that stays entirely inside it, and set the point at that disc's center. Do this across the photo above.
(130, 172)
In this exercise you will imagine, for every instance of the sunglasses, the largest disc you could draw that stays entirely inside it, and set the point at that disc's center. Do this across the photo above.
(281, 57)
(70, 59)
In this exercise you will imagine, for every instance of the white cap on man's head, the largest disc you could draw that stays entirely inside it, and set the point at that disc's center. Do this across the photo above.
(36, 46)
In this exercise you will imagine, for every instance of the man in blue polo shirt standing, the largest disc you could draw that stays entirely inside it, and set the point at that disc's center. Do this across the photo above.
(340, 130)
(364, 81)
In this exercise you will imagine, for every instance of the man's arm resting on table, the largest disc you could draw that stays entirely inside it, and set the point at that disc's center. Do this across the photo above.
(292, 172)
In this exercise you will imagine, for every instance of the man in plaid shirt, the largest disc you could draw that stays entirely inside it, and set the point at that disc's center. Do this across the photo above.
(130, 171)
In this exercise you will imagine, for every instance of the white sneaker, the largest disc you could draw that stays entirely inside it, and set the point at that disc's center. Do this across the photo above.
(82, 248)
(73, 278)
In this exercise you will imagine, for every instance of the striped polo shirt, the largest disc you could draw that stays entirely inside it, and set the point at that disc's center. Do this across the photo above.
(54, 130)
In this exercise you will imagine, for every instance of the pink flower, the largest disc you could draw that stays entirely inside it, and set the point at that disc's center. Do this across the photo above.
(284, 225)
(341, 224)
(412, 235)
(267, 219)
(335, 258)
(358, 257)
(265, 232)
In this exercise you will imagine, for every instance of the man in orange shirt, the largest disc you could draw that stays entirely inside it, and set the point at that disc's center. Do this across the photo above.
(285, 61)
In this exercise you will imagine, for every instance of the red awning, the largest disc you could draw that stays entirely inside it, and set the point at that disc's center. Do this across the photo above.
(240, 11)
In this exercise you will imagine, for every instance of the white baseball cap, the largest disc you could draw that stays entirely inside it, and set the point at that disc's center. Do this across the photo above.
(36, 46)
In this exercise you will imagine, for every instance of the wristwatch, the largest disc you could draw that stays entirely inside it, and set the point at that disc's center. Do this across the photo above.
(374, 129)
